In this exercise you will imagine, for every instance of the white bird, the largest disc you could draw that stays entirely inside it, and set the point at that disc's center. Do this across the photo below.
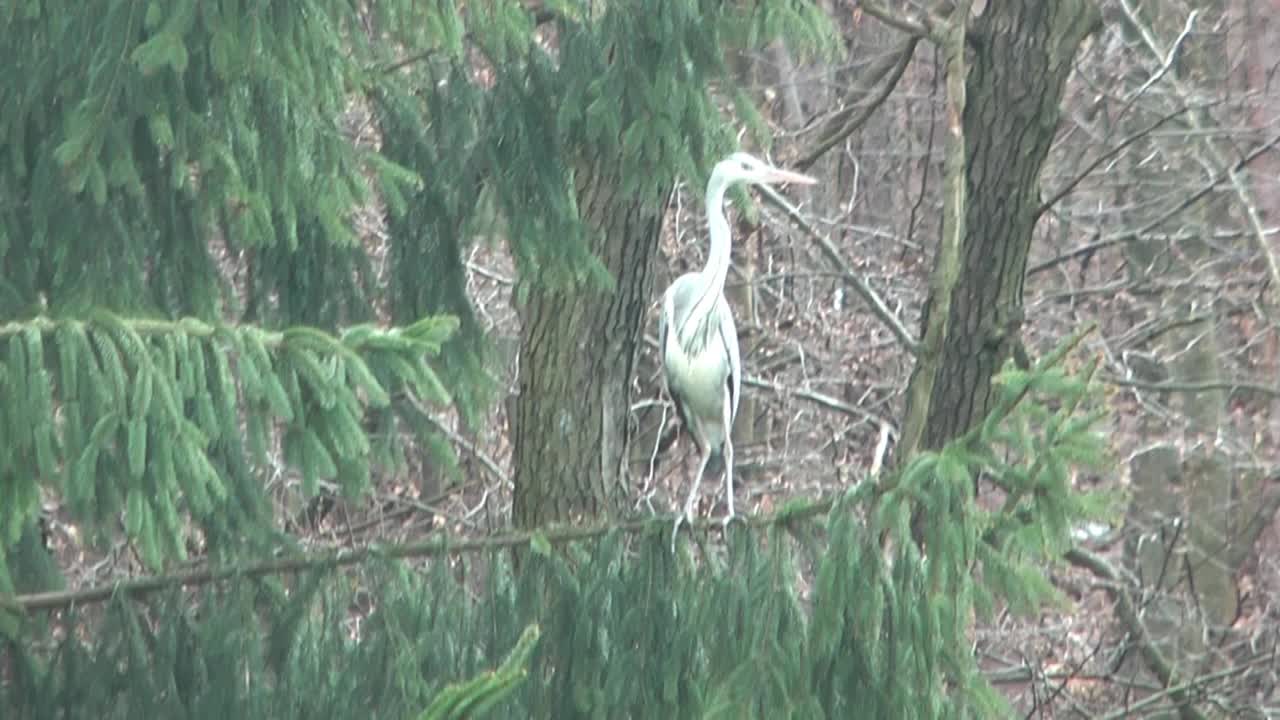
(697, 335)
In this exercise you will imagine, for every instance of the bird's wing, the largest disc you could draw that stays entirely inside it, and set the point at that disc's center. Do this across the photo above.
(667, 318)
(729, 336)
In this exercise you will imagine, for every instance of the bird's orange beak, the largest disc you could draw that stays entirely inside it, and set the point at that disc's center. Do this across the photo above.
(786, 176)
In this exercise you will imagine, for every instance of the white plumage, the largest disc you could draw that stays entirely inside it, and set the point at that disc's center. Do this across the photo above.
(697, 335)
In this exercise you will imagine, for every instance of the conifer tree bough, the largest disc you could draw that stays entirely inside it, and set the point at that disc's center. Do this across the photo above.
(623, 625)
(182, 289)
(162, 420)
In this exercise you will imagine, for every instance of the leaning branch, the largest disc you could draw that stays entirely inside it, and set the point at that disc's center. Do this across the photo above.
(873, 299)
(955, 202)
(886, 72)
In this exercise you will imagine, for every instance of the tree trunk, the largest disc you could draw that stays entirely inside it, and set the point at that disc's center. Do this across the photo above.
(577, 358)
(1022, 55)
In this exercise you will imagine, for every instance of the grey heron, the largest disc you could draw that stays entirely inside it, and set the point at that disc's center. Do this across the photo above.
(697, 335)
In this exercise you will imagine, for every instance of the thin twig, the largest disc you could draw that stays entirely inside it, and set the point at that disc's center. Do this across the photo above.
(873, 299)
(1155, 660)
(1169, 56)
(819, 398)
(460, 441)
(882, 449)
(847, 121)
(1188, 201)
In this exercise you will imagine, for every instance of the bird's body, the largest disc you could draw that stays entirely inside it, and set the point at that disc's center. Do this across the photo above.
(698, 376)
(697, 335)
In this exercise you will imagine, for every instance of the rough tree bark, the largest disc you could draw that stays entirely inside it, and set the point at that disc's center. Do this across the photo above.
(577, 358)
(1022, 53)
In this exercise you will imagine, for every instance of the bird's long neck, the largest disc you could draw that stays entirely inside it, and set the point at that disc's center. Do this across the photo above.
(717, 268)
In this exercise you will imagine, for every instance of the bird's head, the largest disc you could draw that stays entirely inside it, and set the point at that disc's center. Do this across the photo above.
(745, 168)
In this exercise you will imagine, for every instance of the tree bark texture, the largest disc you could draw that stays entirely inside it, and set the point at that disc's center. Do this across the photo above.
(1022, 55)
(577, 358)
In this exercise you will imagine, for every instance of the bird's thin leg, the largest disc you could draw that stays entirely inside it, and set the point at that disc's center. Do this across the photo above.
(693, 491)
(727, 452)
(728, 478)
(687, 513)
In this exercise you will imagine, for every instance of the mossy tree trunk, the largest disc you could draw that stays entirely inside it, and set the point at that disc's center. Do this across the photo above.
(1021, 54)
(577, 358)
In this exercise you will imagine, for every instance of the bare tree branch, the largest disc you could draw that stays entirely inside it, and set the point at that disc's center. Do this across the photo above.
(1129, 615)
(1168, 56)
(1186, 202)
(1105, 157)
(873, 299)
(436, 545)
(857, 111)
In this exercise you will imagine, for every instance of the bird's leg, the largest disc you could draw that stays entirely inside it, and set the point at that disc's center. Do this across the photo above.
(691, 502)
(727, 452)
(728, 479)
(687, 513)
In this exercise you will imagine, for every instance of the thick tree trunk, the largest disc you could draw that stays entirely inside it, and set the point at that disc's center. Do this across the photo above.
(1022, 55)
(577, 358)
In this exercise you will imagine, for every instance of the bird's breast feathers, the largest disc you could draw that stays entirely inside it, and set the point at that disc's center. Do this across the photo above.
(699, 379)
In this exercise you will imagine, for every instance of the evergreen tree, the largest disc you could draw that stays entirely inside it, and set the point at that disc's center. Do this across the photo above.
(181, 287)
(181, 291)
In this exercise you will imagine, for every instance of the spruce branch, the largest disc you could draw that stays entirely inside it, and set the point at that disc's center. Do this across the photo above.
(436, 545)
(440, 543)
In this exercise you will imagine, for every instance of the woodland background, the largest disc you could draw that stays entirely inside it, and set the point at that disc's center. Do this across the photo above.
(329, 370)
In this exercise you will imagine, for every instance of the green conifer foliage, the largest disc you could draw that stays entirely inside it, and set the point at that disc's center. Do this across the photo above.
(184, 302)
(829, 610)
(148, 419)
(183, 293)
